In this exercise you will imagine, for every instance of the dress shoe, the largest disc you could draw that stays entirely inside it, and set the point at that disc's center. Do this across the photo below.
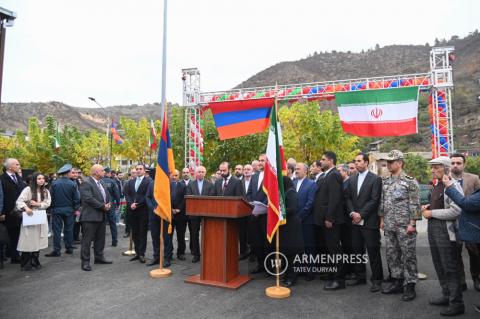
(114, 243)
(134, 258)
(477, 307)
(86, 267)
(166, 263)
(103, 261)
(181, 257)
(141, 259)
(476, 283)
(126, 235)
(409, 292)
(154, 262)
(53, 254)
(69, 251)
(395, 287)
(440, 301)
(356, 282)
(453, 311)
(334, 285)
(376, 286)
(195, 259)
(309, 277)
(464, 286)
(257, 270)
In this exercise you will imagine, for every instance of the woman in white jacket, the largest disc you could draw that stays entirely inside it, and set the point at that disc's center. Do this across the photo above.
(33, 238)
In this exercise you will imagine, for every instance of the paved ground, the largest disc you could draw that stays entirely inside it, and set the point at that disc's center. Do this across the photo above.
(125, 290)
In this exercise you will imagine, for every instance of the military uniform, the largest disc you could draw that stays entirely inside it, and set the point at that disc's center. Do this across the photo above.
(65, 201)
(114, 192)
(400, 203)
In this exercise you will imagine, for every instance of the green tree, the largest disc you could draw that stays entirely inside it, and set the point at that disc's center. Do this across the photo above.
(416, 166)
(473, 165)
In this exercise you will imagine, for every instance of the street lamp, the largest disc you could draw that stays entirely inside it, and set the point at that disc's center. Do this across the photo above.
(109, 123)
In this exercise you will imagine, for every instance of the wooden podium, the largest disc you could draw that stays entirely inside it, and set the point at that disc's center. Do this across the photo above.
(219, 257)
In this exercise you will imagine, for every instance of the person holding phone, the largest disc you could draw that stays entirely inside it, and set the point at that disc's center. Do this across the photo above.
(442, 214)
(33, 238)
(469, 220)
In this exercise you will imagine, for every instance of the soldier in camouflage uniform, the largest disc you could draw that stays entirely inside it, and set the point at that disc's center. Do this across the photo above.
(399, 211)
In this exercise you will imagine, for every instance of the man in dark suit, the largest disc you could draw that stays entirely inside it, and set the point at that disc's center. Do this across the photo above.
(13, 185)
(178, 190)
(306, 189)
(329, 216)
(199, 187)
(346, 228)
(95, 205)
(137, 202)
(257, 229)
(363, 199)
(229, 185)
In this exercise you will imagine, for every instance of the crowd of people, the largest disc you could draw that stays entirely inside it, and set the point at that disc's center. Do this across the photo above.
(332, 209)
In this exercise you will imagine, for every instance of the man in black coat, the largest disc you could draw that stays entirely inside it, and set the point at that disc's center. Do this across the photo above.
(137, 203)
(95, 205)
(178, 190)
(199, 187)
(12, 184)
(363, 199)
(329, 216)
(257, 230)
(232, 186)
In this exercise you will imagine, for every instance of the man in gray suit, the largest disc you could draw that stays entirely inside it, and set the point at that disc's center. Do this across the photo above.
(199, 187)
(95, 204)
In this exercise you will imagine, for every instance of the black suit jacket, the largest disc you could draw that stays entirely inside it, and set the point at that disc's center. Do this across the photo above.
(92, 201)
(207, 190)
(255, 193)
(11, 191)
(329, 199)
(139, 196)
(368, 199)
(178, 191)
(234, 187)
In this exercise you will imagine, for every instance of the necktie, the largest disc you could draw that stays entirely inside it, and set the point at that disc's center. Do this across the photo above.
(137, 183)
(100, 187)
(225, 184)
(14, 178)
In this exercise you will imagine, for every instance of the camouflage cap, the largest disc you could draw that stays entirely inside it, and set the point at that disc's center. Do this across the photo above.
(441, 160)
(393, 156)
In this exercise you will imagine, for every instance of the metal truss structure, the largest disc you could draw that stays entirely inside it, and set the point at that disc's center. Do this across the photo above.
(439, 82)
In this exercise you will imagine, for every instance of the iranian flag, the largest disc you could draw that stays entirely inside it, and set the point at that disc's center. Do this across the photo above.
(152, 141)
(377, 113)
(273, 179)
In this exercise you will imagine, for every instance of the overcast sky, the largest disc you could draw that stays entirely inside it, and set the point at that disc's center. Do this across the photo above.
(61, 50)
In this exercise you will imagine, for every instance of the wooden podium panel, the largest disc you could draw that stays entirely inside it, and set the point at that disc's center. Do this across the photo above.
(219, 258)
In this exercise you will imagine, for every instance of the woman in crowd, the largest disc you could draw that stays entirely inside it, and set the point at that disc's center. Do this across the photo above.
(33, 238)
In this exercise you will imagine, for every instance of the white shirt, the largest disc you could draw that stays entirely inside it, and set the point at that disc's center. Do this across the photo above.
(260, 179)
(138, 182)
(299, 183)
(226, 180)
(247, 183)
(361, 179)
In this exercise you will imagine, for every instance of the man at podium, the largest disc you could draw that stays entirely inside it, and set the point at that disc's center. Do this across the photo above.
(199, 187)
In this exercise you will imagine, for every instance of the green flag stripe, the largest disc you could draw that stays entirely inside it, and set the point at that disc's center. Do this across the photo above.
(279, 166)
(384, 96)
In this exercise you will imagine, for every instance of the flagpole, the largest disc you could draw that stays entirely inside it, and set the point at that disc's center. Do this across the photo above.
(277, 291)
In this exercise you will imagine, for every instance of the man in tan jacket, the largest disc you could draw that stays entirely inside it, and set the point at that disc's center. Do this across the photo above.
(469, 183)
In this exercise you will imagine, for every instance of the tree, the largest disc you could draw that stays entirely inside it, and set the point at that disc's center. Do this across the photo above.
(473, 165)
(416, 166)
(308, 132)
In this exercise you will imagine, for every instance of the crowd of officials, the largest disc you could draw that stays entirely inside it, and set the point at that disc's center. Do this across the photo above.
(332, 209)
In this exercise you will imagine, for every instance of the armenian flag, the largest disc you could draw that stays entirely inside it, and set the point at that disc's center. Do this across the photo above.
(242, 117)
(165, 166)
(116, 137)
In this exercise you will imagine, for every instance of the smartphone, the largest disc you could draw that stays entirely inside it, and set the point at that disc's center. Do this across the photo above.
(447, 170)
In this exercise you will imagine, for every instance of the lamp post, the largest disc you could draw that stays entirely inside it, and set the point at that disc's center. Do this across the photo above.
(109, 123)
(6, 20)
